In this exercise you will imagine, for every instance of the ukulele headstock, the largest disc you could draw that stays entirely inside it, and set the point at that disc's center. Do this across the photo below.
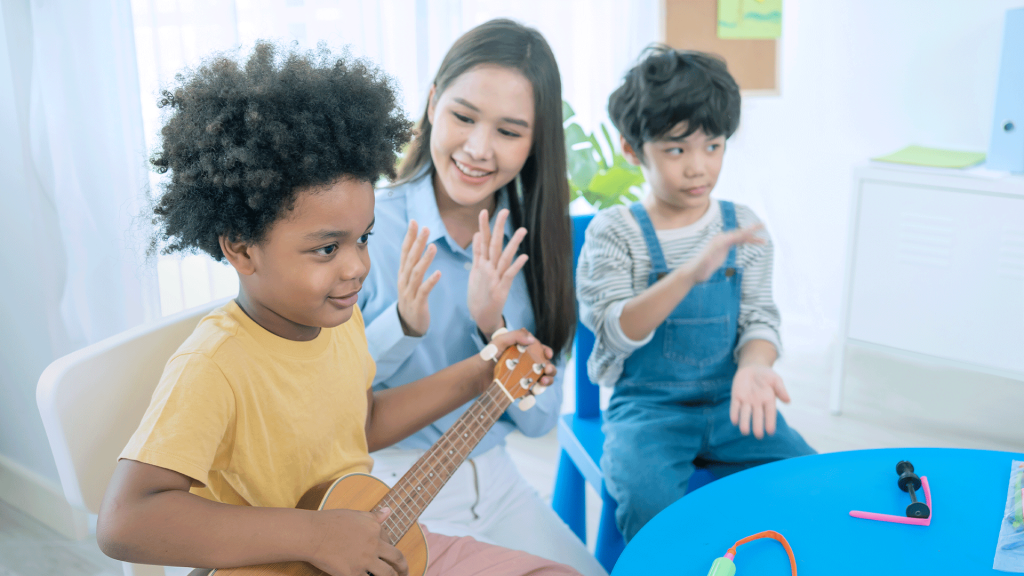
(519, 370)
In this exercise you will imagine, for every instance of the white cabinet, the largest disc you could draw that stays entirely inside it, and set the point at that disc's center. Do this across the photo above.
(935, 269)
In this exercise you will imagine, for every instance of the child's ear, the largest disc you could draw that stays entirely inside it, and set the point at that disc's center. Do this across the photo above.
(629, 153)
(237, 254)
(431, 103)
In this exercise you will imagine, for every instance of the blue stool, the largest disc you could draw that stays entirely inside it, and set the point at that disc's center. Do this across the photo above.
(582, 444)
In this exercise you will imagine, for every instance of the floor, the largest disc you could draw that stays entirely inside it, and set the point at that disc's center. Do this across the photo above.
(888, 402)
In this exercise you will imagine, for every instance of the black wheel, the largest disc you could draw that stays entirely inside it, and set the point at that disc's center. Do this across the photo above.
(904, 465)
(918, 510)
(909, 479)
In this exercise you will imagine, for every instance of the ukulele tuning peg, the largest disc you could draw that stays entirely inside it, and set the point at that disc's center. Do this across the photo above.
(538, 368)
(521, 348)
(525, 383)
(511, 363)
(526, 403)
(489, 352)
(499, 332)
(538, 389)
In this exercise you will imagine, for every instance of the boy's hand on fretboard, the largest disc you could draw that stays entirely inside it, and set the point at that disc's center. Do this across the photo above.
(355, 544)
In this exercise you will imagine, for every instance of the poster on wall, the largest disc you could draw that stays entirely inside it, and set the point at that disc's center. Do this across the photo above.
(693, 25)
(749, 19)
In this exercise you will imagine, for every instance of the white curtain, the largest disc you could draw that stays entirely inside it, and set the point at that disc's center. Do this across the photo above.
(88, 152)
(594, 41)
(72, 184)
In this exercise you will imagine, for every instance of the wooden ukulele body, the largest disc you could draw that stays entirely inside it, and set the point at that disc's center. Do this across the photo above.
(351, 492)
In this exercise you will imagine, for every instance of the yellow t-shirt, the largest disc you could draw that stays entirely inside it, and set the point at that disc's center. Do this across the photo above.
(256, 419)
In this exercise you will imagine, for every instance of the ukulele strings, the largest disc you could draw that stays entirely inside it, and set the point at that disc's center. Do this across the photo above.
(442, 458)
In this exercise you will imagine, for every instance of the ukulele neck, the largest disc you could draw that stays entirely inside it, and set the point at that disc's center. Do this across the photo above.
(411, 495)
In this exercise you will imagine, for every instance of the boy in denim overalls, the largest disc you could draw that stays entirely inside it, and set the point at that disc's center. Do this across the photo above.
(677, 289)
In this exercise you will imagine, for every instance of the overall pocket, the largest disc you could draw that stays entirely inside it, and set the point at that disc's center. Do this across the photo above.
(698, 341)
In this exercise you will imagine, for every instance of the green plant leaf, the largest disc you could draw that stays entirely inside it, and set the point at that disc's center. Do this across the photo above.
(600, 153)
(614, 181)
(608, 139)
(567, 111)
(580, 157)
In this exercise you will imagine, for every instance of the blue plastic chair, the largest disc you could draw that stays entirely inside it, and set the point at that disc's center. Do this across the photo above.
(582, 443)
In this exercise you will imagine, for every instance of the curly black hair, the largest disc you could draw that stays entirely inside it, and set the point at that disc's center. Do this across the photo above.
(669, 86)
(243, 138)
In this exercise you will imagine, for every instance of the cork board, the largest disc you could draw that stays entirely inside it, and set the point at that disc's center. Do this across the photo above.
(693, 25)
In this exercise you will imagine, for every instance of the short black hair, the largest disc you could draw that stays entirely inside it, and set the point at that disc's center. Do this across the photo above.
(669, 86)
(243, 138)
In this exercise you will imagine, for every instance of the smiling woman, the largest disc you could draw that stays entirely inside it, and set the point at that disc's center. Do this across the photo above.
(482, 195)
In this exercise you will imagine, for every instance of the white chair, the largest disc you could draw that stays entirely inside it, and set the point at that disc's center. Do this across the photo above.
(92, 400)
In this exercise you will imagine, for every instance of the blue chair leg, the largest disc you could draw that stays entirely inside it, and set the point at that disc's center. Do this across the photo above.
(609, 539)
(569, 500)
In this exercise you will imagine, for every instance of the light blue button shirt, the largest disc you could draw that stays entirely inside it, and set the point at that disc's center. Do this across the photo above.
(452, 335)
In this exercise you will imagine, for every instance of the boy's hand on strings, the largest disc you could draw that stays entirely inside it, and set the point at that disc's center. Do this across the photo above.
(354, 544)
(700, 268)
(754, 390)
(493, 270)
(413, 290)
(503, 341)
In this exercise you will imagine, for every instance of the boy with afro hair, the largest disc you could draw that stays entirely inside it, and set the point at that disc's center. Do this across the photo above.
(272, 164)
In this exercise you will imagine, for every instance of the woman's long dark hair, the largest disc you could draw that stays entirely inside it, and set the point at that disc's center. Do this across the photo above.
(542, 203)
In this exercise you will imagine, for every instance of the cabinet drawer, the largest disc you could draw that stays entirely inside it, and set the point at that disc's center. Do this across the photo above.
(940, 272)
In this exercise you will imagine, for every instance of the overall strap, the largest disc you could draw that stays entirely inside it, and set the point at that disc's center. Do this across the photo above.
(658, 265)
(728, 224)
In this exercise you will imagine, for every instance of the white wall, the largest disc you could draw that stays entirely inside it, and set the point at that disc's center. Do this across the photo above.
(858, 79)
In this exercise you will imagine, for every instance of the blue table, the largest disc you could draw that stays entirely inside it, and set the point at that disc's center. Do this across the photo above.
(808, 500)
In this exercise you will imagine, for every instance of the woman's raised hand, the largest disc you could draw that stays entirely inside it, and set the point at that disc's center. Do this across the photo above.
(413, 290)
(493, 270)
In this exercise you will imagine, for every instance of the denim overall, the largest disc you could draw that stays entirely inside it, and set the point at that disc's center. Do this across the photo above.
(670, 407)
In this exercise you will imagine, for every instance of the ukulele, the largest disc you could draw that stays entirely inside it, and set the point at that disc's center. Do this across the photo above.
(515, 376)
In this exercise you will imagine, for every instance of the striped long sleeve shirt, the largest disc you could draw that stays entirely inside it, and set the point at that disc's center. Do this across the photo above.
(614, 266)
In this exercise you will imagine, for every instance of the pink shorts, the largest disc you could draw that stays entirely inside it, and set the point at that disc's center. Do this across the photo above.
(465, 556)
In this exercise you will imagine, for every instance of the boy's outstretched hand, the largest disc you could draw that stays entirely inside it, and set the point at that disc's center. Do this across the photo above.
(354, 545)
(754, 390)
(713, 256)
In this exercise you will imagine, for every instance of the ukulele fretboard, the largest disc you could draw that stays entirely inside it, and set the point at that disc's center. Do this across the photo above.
(411, 495)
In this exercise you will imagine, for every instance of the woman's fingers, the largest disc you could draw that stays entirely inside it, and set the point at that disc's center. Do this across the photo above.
(511, 248)
(485, 233)
(413, 256)
(410, 235)
(498, 235)
(424, 289)
(416, 278)
(510, 274)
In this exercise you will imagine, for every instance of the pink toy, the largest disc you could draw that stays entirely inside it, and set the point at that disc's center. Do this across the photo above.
(902, 519)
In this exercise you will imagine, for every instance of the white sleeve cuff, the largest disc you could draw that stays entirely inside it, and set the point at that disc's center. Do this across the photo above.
(613, 330)
(762, 332)
(388, 344)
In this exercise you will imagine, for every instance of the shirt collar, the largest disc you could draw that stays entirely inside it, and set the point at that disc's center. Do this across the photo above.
(422, 207)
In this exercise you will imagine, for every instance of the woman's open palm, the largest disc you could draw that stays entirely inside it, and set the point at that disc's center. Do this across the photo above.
(413, 290)
(493, 271)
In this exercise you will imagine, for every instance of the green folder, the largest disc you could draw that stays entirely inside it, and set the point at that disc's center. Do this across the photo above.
(922, 156)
